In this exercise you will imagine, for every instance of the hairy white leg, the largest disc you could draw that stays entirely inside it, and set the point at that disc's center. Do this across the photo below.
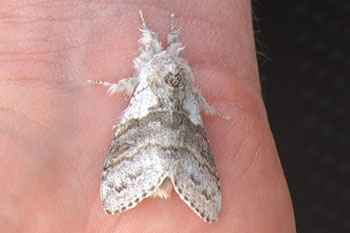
(150, 45)
(127, 85)
(207, 108)
(174, 47)
(172, 36)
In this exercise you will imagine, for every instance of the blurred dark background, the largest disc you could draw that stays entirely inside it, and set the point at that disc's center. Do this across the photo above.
(305, 72)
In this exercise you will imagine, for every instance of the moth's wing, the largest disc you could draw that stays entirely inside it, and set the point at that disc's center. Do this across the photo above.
(194, 173)
(130, 177)
(199, 188)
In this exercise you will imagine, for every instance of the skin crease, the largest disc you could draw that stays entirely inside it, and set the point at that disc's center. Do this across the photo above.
(55, 129)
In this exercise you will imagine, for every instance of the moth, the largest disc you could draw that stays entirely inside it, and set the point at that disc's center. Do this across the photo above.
(160, 142)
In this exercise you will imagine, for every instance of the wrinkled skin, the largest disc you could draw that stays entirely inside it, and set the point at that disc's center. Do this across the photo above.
(55, 129)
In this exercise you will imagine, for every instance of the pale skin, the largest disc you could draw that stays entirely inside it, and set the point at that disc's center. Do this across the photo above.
(55, 129)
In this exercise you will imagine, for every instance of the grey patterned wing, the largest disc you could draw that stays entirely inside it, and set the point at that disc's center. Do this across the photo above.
(194, 173)
(129, 176)
(199, 187)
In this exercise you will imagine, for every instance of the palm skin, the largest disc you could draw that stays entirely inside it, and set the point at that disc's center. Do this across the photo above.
(55, 129)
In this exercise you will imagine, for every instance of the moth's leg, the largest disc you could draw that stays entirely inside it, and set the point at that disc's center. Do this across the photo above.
(172, 36)
(127, 85)
(150, 45)
(149, 39)
(207, 108)
(174, 47)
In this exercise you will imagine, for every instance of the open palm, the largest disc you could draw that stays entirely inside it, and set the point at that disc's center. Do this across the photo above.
(55, 129)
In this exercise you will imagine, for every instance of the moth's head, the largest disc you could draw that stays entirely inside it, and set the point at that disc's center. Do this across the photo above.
(169, 74)
(173, 76)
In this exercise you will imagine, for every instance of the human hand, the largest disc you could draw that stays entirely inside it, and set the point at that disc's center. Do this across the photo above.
(55, 129)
